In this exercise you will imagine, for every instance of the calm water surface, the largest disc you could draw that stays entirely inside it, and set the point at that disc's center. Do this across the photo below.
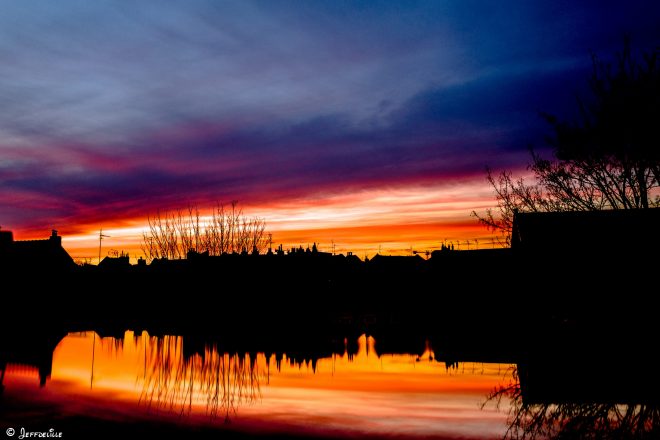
(144, 377)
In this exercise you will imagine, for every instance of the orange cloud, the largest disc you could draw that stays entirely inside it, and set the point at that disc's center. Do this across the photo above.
(392, 220)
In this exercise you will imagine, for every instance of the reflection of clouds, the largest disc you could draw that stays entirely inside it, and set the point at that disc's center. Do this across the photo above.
(359, 391)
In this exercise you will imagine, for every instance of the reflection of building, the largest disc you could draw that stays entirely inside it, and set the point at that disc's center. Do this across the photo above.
(47, 253)
(596, 272)
(29, 352)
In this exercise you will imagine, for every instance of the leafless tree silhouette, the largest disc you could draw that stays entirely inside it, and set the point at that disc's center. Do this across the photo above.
(173, 234)
(608, 159)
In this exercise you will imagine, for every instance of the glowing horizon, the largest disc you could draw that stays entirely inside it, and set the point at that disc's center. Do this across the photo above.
(333, 121)
(390, 221)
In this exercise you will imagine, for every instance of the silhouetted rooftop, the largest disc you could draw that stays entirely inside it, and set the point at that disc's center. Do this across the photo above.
(119, 262)
(583, 230)
(41, 253)
(396, 259)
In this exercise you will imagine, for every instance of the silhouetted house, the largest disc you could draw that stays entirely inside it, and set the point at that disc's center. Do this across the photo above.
(469, 255)
(301, 252)
(115, 263)
(395, 262)
(317, 253)
(48, 253)
(192, 254)
(597, 267)
(397, 259)
(610, 231)
(352, 259)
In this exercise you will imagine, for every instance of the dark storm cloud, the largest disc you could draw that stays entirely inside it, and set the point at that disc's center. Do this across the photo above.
(125, 107)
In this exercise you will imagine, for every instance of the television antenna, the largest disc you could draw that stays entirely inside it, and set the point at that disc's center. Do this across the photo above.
(101, 237)
(427, 253)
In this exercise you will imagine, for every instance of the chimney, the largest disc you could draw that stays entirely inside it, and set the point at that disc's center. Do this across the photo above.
(6, 239)
(55, 239)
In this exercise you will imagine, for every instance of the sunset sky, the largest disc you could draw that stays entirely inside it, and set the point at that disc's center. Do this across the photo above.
(364, 123)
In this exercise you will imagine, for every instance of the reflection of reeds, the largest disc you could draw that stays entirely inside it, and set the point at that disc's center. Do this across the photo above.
(575, 420)
(220, 383)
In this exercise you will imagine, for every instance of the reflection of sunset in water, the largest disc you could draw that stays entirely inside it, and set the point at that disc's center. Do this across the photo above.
(361, 393)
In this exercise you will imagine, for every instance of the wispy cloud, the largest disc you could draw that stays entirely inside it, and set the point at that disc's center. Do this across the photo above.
(112, 109)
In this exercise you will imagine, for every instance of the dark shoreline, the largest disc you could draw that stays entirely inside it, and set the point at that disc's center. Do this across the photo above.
(564, 317)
